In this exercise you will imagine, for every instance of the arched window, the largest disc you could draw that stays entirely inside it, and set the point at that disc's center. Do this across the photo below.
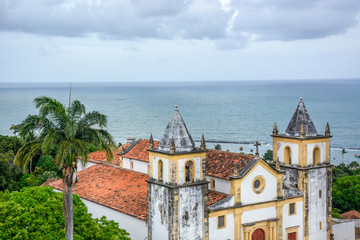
(160, 171)
(189, 171)
(316, 156)
(287, 155)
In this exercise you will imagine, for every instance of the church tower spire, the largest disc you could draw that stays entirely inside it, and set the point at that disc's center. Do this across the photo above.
(177, 187)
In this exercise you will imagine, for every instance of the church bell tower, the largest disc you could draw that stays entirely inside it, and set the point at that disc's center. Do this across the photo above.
(304, 155)
(177, 187)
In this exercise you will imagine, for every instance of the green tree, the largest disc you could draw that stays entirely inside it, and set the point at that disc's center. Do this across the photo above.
(9, 175)
(268, 156)
(22, 217)
(72, 130)
(217, 147)
(346, 193)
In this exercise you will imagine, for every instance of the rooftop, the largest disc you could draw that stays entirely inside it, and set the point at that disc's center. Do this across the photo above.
(177, 130)
(353, 214)
(139, 151)
(120, 189)
(301, 118)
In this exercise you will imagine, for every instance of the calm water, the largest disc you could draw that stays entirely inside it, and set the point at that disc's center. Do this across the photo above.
(241, 112)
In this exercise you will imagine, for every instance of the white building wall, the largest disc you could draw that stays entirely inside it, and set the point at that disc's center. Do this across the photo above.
(310, 150)
(317, 206)
(294, 152)
(248, 196)
(257, 215)
(136, 227)
(165, 168)
(293, 220)
(81, 167)
(140, 166)
(160, 210)
(344, 230)
(126, 163)
(191, 201)
(224, 233)
(221, 185)
(182, 162)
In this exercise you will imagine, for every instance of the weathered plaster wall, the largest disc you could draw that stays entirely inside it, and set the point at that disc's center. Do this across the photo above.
(160, 210)
(317, 205)
(182, 162)
(293, 220)
(224, 233)
(294, 152)
(269, 193)
(190, 201)
(165, 168)
(310, 149)
(221, 185)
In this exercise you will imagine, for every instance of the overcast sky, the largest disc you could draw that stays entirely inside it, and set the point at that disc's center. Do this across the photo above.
(178, 40)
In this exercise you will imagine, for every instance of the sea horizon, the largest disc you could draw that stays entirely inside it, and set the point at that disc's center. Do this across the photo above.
(233, 113)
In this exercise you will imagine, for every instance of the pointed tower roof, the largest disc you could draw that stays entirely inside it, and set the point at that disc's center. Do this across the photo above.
(177, 129)
(301, 118)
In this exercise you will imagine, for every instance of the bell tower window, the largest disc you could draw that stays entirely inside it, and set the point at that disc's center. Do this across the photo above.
(287, 155)
(316, 156)
(189, 171)
(160, 171)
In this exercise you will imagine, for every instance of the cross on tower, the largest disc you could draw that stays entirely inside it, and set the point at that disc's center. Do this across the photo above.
(257, 144)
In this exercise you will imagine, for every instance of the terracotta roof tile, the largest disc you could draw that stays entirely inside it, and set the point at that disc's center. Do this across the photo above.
(120, 189)
(140, 150)
(216, 196)
(353, 214)
(221, 164)
(100, 156)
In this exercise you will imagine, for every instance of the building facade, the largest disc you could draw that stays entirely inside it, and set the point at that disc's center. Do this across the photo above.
(175, 190)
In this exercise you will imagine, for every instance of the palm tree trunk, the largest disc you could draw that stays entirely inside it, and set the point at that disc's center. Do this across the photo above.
(70, 225)
(65, 209)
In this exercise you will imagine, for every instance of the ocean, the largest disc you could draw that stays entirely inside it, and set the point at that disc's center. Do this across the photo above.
(233, 113)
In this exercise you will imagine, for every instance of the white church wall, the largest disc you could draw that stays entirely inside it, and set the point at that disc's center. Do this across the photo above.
(140, 166)
(317, 204)
(248, 196)
(294, 152)
(126, 163)
(190, 201)
(310, 150)
(221, 185)
(165, 168)
(159, 210)
(258, 215)
(182, 162)
(294, 219)
(81, 167)
(135, 227)
(223, 233)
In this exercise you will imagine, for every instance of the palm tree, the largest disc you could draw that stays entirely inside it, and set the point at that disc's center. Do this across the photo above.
(72, 129)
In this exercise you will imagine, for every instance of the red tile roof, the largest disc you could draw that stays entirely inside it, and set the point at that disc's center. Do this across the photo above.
(120, 189)
(140, 150)
(215, 196)
(221, 164)
(353, 214)
(100, 156)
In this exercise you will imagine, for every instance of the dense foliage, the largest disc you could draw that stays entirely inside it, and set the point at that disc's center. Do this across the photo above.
(346, 188)
(36, 213)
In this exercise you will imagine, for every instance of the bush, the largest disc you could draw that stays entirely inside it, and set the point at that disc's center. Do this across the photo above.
(36, 213)
(47, 163)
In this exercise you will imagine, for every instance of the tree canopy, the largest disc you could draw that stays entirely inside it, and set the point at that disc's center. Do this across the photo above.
(36, 213)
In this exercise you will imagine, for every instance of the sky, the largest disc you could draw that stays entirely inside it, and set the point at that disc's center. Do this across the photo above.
(178, 40)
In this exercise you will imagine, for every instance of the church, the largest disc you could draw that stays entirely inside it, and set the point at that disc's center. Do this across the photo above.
(171, 189)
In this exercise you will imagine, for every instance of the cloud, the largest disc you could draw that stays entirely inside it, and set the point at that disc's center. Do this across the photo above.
(229, 23)
(48, 49)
